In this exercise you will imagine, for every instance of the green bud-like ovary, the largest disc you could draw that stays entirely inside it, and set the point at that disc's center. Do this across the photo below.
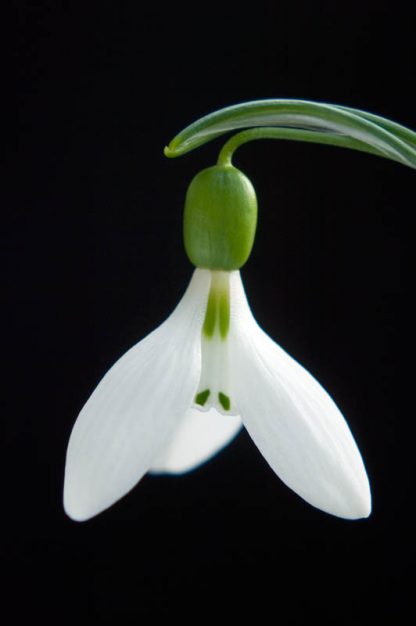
(220, 218)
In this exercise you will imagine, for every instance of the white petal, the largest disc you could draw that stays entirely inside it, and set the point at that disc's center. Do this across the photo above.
(293, 421)
(133, 412)
(199, 436)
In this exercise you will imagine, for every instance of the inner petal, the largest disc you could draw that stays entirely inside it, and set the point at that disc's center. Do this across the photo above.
(214, 389)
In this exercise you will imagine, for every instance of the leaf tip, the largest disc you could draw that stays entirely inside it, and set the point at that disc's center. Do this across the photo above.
(168, 152)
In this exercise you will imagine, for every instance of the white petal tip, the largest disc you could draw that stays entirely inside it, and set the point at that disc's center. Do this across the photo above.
(83, 499)
(357, 506)
(76, 517)
(78, 509)
(361, 510)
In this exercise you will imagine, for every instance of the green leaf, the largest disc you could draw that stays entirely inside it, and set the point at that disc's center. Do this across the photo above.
(300, 120)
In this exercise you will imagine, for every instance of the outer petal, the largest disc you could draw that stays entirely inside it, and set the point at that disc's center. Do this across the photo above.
(293, 421)
(199, 436)
(133, 412)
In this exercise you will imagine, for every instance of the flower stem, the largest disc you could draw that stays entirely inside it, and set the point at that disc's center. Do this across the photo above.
(253, 134)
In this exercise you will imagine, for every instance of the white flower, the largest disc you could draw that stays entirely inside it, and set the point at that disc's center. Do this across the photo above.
(180, 395)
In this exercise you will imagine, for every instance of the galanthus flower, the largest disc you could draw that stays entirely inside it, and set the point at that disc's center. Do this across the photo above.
(182, 393)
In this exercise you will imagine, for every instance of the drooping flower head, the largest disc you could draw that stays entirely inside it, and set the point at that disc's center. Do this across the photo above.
(183, 392)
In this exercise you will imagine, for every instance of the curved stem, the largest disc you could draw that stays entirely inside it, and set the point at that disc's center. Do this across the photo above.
(253, 134)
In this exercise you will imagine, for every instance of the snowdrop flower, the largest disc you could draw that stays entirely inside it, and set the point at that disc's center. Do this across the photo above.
(183, 392)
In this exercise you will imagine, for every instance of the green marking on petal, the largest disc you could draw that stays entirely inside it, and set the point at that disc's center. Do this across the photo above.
(210, 315)
(217, 315)
(224, 313)
(202, 397)
(224, 401)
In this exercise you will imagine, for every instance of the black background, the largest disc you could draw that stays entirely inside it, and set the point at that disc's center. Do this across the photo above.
(91, 219)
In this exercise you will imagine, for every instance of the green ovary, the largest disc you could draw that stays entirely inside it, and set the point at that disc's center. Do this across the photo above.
(220, 218)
